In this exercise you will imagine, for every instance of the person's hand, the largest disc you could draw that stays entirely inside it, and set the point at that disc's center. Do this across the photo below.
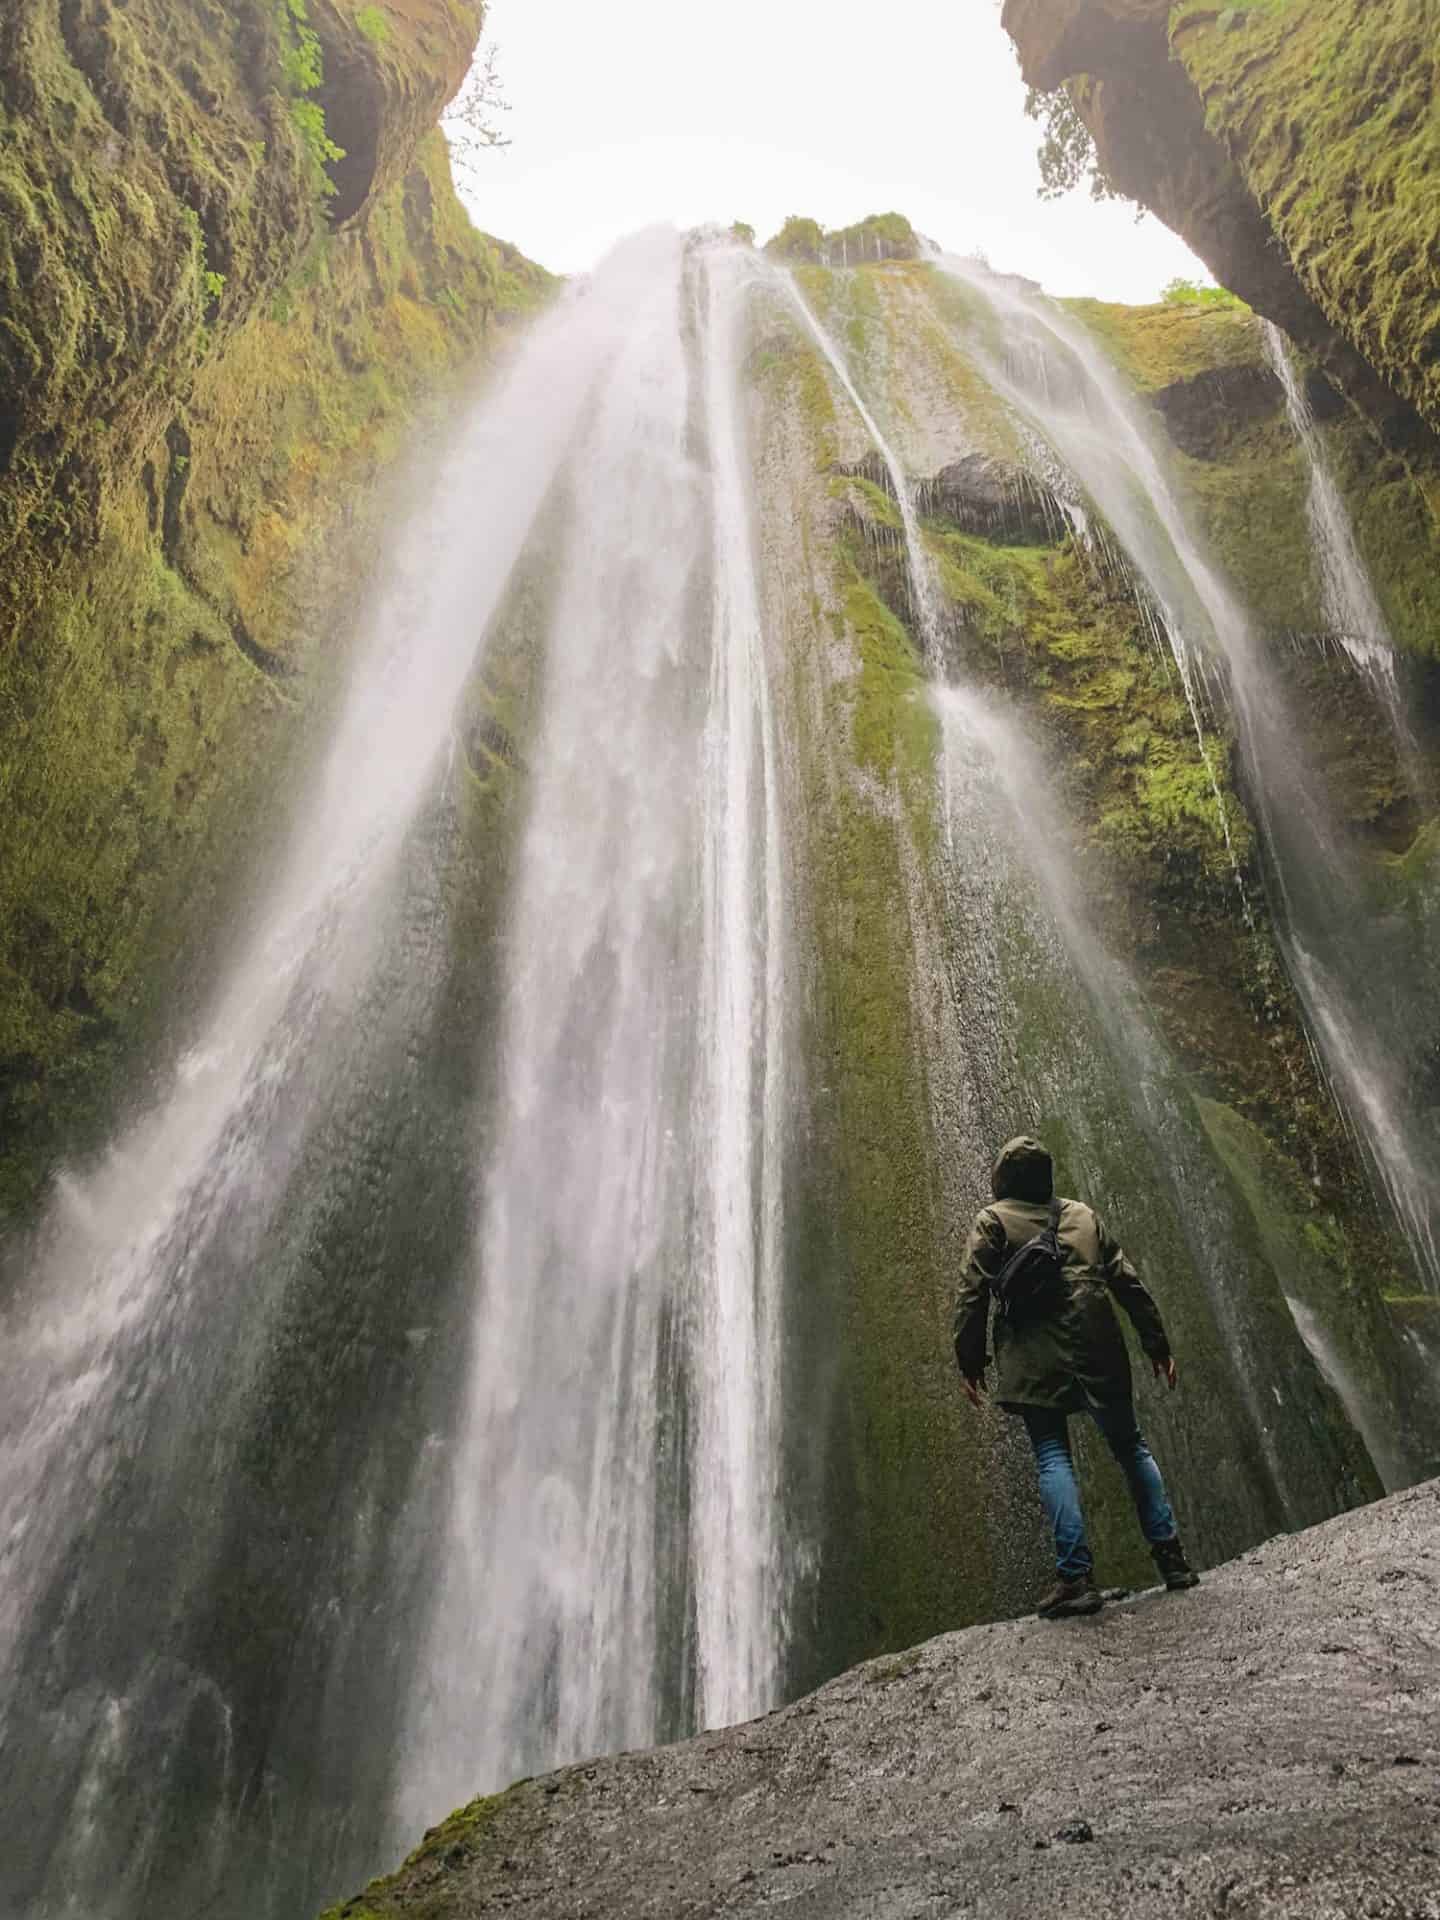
(1167, 1369)
(974, 1390)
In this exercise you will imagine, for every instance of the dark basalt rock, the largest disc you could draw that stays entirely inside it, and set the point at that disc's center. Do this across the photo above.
(1268, 1744)
(994, 500)
(1204, 416)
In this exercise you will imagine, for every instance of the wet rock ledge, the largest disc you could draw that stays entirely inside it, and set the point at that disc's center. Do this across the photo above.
(1269, 1744)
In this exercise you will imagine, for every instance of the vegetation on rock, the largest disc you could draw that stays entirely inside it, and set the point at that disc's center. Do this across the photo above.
(1328, 109)
(202, 381)
(1252, 148)
(880, 236)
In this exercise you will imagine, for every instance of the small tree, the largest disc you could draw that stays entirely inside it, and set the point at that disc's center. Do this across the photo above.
(1189, 293)
(1067, 153)
(798, 239)
(470, 124)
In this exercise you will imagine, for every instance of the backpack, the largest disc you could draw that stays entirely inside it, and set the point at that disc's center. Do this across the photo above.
(1032, 1278)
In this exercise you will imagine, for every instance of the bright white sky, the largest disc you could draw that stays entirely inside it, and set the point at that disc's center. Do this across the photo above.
(628, 112)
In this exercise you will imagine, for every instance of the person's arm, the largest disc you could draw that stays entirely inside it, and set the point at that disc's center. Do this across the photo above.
(984, 1257)
(1137, 1300)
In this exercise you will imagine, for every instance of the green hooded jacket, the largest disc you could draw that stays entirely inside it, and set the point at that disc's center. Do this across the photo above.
(1073, 1354)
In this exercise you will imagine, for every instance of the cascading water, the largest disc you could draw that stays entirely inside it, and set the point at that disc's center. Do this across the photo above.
(1360, 983)
(1349, 604)
(1016, 890)
(399, 1407)
(612, 1568)
(1010, 895)
(216, 1559)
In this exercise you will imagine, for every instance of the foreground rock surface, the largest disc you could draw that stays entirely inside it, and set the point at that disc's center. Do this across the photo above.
(1268, 1744)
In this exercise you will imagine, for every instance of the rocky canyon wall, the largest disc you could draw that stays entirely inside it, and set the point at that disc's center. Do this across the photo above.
(1293, 146)
(234, 273)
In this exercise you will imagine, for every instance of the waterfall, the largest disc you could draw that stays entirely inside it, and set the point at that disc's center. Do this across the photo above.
(737, 1552)
(1349, 604)
(1096, 1073)
(1355, 976)
(416, 1394)
(611, 1570)
(1014, 889)
(252, 1413)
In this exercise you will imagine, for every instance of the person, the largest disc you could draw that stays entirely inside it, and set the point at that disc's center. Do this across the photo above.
(1064, 1353)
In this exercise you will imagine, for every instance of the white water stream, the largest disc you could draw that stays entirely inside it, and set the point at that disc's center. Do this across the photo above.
(248, 1615)
(612, 1569)
(609, 1564)
(1347, 596)
(126, 1244)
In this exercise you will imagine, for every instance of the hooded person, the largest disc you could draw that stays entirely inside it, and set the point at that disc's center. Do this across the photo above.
(1059, 1350)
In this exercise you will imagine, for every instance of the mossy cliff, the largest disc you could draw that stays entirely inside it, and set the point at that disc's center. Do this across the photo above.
(1207, 374)
(1293, 144)
(917, 1065)
(233, 272)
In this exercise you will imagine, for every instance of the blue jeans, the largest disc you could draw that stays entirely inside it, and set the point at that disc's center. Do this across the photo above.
(1060, 1491)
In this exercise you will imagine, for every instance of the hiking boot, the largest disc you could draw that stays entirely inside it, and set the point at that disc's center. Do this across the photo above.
(1071, 1597)
(1175, 1570)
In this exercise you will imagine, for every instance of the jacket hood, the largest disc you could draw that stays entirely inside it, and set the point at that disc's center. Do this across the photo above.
(1024, 1171)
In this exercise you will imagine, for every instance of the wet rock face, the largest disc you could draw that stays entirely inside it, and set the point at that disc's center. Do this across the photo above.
(994, 500)
(1153, 142)
(1060, 38)
(385, 88)
(1201, 414)
(1268, 1744)
(202, 375)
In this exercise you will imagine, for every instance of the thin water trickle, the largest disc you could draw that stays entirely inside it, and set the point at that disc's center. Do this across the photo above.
(1008, 845)
(1347, 596)
(923, 598)
(1349, 604)
(1061, 387)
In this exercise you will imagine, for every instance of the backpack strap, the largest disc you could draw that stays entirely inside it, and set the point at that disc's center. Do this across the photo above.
(1056, 1203)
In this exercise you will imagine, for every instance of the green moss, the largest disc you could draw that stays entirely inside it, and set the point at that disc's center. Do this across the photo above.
(908, 1505)
(791, 370)
(1396, 517)
(1252, 509)
(1306, 1244)
(188, 516)
(1243, 470)
(374, 23)
(880, 236)
(1414, 875)
(893, 728)
(1048, 623)
(1327, 107)
(864, 304)
(1157, 346)
(418, 1888)
(877, 505)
